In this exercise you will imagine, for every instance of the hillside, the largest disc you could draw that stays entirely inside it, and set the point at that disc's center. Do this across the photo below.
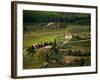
(45, 17)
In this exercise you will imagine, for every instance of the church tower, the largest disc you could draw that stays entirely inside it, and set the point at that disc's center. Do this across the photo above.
(68, 35)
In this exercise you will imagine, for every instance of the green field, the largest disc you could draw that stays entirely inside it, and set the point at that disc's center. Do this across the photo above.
(41, 36)
(48, 35)
(56, 39)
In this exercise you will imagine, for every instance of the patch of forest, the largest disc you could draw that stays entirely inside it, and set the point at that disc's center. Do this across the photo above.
(41, 19)
(44, 16)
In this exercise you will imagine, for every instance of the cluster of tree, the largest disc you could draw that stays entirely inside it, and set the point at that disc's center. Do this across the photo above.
(34, 47)
(49, 56)
(54, 53)
(48, 43)
(80, 62)
(43, 26)
(63, 18)
(77, 53)
(47, 16)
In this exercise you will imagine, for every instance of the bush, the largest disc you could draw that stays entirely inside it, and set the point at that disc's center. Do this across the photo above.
(73, 53)
(50, 43)
(40, 56)
(30, 49)
(46, 44)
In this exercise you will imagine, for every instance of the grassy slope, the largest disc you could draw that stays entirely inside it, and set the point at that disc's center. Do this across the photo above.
(41, 36)
(49, 35)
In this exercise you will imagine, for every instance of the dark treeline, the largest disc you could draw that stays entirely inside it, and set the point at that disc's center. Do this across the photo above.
(62, 17)
(76, 53)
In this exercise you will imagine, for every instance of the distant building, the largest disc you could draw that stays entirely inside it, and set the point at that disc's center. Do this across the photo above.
(50, 24)
(53, 25)
(68, 35)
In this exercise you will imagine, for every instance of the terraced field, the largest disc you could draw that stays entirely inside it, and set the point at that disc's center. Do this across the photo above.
(82, 43)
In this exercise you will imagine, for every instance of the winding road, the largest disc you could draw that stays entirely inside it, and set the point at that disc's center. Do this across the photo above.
(74, 41)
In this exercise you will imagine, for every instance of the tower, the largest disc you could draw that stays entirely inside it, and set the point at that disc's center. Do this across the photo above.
(68, 35)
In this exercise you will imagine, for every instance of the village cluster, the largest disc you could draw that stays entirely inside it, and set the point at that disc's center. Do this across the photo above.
(36, 46)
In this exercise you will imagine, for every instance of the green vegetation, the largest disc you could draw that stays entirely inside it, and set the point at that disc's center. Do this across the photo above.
(44, 16)
(78, 50)
(49, 35)
(41, 37)
(45, 44)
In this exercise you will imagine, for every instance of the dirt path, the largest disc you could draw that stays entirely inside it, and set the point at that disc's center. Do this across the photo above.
(74, 41)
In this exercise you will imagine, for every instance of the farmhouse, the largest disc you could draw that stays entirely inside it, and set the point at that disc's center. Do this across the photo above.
(50, 24)
(53, 25)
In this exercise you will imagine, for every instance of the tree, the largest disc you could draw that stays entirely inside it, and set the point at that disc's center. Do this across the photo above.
(30, 49)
